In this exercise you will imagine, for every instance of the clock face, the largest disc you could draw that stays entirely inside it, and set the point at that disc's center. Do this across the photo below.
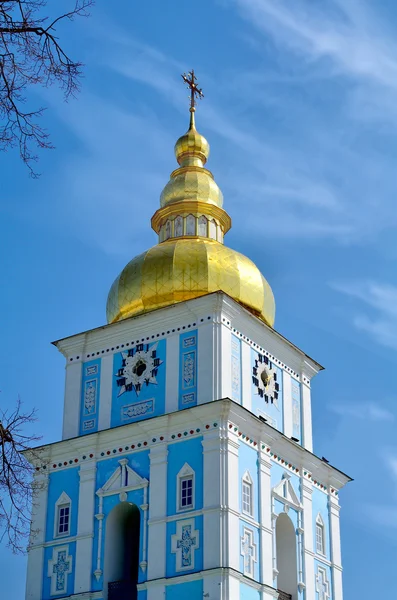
(264, 377)
(138, 368)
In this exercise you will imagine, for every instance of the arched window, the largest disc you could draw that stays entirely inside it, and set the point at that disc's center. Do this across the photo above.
(185, 488)
(212, 229)
(190, 225)
(287, 576)
(202, 226)
(121, 555)
(63, 513)
(246, 494)
(320, 535)
(178, 227)
(167, 230)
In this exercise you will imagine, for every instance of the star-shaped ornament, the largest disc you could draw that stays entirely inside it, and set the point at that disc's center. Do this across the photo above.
(139, 367)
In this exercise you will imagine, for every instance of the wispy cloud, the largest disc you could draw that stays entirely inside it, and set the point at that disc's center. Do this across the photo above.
(346, 33)
(380, 320)
(368, 411)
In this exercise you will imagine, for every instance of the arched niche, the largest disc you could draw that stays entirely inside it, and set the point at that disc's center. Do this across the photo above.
(121, 556)
(287, 578)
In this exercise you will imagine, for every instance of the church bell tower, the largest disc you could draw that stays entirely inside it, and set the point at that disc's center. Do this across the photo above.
(186, 467)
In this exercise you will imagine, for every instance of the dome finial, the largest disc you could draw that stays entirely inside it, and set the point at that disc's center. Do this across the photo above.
(195, 92)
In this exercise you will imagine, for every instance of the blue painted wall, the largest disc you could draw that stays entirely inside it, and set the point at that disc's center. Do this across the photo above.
(90, 393)
(187, 369)
(248, 461)
(236, 369)
(272, 411)
(249, 593)
(198, 552)
(67, 481)
(48, 552)
(193, 590)
(320, 506)
(179, 453)
(129, 403)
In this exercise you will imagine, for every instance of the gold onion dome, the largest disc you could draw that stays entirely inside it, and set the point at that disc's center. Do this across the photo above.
(190, 259)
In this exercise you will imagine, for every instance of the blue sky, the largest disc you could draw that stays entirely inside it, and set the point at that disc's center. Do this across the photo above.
(300, 110)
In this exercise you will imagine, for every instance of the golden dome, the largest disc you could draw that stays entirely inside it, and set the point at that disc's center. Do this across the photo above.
(182, 269)
(190, 259)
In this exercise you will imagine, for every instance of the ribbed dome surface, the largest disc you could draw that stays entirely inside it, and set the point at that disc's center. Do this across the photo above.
(183, 269)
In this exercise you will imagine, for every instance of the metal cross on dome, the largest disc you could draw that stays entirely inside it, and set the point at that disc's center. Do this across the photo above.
(195, 92)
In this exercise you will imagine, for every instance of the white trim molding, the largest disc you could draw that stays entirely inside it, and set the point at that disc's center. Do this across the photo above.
(184, 543)
(63, 500)
(59, 567)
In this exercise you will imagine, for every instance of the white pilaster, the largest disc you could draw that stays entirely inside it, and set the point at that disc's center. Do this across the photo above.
(246, 375)
(157, 538)
(287, 396)
(226, 361)
(85, 528)
(156, 591)
(336, 557)
(265, 519)
(307, 417)
(213, 481)
(309, 579)
(34, 577)
(71, 412)
(172, 374)
(105, 395)
(233, 589)
(205, 363)
(232, 552)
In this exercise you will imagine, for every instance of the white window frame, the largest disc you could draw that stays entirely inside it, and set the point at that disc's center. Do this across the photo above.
(320, 527)
(63, 501)
(185, 474)
(247, 481)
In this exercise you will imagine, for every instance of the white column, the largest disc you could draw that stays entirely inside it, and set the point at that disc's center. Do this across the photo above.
(157, 538)
(226, 362)
(307, 417)
(246, 375)
(172, 374)
(105, 394)
(71, 410)
(34, 578)
(232, 590)
(265, 519)
(85, 528)
(156, 590)
(307, 524)
(287, 403)
(213, 480)
(232, 539)
(336, 557)
(217, 369)
(205, 363)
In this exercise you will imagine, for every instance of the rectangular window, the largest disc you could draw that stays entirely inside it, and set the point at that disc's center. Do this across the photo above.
(63, 519)
(319, 538)
(247, 498)
(186, 498)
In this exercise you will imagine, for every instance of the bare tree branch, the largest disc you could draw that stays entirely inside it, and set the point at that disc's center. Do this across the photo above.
(31, 54)
(16, 491)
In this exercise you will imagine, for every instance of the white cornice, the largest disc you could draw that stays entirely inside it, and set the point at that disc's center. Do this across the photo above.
(218, 306)
(173, 424)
